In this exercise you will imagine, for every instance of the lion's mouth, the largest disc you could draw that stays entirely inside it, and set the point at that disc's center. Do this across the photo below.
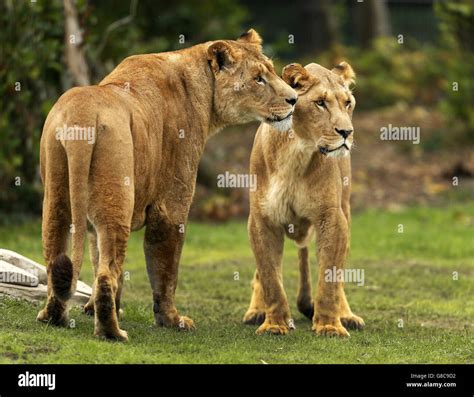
(277, 119)
(325, 150)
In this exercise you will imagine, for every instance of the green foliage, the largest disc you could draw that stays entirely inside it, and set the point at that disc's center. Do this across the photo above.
(412, 74)
(457, 23)
(30, 74)
(457, 27)
(33, 74)
(390, 72)
(32, 54)
(156, 26)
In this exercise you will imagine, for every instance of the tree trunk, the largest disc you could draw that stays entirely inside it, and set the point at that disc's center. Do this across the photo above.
(319, 27)
(371, 21)
(74, 51)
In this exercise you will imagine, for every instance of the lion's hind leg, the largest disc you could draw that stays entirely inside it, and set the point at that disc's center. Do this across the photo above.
(255, 314)
(304, 300)
(348, 319)
(108, 284)
(55, 232)
(303, 234)
(110, 211)
(94, 257)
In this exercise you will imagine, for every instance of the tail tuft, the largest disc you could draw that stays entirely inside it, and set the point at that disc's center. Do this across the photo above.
(61, 276)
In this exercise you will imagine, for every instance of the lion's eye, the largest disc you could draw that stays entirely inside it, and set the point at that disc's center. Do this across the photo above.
(320, 103)
(260, 80)
(348, 104)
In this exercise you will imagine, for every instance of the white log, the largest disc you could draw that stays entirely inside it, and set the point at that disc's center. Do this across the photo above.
(83, 288)
(31, 271)
(35, 294)
(10, 274)
(24, 263)
(38, 293)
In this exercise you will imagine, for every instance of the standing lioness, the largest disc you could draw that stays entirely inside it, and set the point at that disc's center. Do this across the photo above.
(150, 120)
(304, 185)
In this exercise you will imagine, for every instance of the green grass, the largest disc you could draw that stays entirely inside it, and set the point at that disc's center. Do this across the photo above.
(408, 276)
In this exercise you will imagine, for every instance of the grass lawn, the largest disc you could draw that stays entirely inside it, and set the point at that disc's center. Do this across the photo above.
(408, 278)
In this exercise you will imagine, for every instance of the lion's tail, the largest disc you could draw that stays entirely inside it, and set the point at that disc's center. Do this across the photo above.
(64, 270)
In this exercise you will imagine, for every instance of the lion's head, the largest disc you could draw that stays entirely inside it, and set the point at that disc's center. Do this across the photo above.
(246, 85)
(325, 105)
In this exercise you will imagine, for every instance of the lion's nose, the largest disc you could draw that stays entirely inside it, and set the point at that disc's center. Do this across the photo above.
(292, 101)
(344, 133)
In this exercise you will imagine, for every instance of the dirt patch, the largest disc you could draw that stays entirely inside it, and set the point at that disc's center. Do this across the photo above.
(446, 323)
(10, 355)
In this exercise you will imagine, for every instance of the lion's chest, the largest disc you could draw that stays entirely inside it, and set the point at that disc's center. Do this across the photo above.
(286, 200)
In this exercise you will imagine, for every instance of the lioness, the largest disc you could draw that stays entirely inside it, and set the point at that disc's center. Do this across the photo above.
(151, 116)
(304, 186)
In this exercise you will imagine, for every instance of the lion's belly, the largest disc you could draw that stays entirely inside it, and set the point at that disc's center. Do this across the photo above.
(138, 219)
(147, 171)
(145, 194)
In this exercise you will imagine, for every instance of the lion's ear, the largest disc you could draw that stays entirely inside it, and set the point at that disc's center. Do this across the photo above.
(297, 77)
(220, 55)
(252, 37)
(346, 72)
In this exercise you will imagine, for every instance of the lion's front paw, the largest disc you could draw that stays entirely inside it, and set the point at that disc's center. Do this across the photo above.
(254, 317)
(186, 324)
(353, 322)
(117, 334)
(330, 330)
(275, 327)
(180, 322)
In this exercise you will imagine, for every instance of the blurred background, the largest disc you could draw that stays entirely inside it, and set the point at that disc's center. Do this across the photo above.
(413, 59)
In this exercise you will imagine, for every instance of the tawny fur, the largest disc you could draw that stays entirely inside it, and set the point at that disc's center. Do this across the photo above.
(152, 116)
(303, 189)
